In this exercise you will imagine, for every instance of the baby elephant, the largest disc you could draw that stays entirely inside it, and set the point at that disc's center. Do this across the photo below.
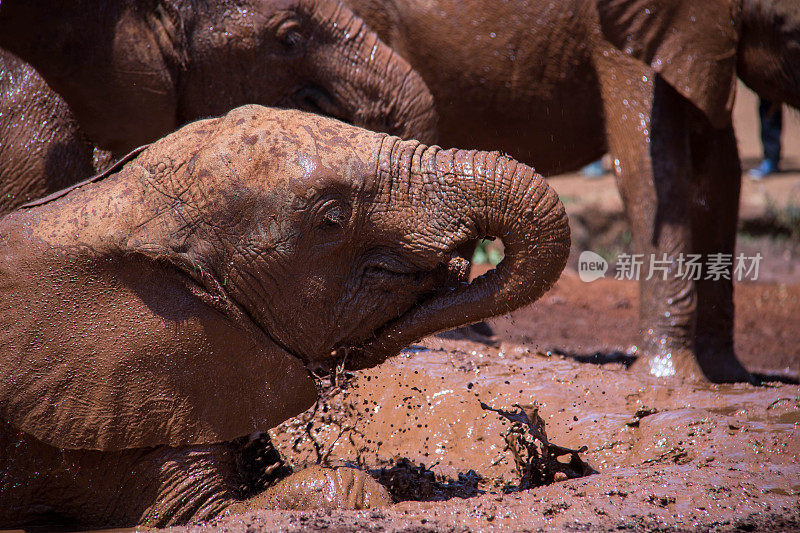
(153, 315)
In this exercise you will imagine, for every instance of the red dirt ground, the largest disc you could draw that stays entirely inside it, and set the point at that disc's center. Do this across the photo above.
(583, 319)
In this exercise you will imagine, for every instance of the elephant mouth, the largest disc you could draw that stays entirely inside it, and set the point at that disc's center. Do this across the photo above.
(452, 273)
(317, 100)
(445, 277)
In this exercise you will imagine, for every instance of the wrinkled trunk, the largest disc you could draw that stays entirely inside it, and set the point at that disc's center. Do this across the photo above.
(385, 92)
(478, 194)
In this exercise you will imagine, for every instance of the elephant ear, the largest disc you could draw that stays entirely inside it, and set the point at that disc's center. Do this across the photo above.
(112, 352)
(691, 44)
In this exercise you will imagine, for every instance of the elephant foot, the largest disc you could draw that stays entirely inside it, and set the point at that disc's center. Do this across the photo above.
(317, 487)
(721, 366)
(669, 363)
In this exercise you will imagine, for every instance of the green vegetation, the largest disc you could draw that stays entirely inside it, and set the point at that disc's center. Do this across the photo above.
(487, 252)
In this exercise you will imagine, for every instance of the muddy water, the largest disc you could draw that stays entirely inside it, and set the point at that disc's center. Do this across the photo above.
(425, 406)
(675, 454)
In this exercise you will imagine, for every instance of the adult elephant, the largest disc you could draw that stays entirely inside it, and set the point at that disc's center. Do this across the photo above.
(158, 312)
(134, 70)
(556, 84)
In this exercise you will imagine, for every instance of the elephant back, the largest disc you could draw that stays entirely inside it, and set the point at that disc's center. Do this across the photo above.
(691, 44)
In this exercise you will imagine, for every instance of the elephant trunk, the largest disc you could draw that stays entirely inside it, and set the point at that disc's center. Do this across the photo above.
(769, 50)
(412, 114)
(481, 194)
(384, 92)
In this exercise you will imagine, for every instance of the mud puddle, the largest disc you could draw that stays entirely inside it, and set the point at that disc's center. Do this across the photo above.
(669, 455)
(426, 406)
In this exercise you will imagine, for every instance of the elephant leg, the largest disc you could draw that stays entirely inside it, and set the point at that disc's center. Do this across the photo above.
(319, 487)
(45, 486)
(716, 184)
(647, 126)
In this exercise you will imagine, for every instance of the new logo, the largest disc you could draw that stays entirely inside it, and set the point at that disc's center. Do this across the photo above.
(591, 266)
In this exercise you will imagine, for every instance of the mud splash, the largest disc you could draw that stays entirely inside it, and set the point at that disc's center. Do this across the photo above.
(407, 481)
(259, 464)
(538, 460)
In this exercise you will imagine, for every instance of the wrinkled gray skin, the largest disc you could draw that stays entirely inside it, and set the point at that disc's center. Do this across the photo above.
(558, 83)
(151, 317)
(132, 71)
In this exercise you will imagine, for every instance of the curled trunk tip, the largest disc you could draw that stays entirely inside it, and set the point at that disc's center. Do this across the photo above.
(495, 196)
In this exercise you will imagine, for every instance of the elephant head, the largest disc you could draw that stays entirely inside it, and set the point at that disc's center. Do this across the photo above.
(179, 299)
(134, 70)
(769, 50)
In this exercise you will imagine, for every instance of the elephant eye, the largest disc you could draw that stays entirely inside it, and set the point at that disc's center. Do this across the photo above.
(334, 215)
(290, 34)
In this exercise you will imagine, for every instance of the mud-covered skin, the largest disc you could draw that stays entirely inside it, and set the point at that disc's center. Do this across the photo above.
(317, 487)
(767, 26)
(156, 486)
(177, 301)
(134, 70)
(537, 78)
(42, 148)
